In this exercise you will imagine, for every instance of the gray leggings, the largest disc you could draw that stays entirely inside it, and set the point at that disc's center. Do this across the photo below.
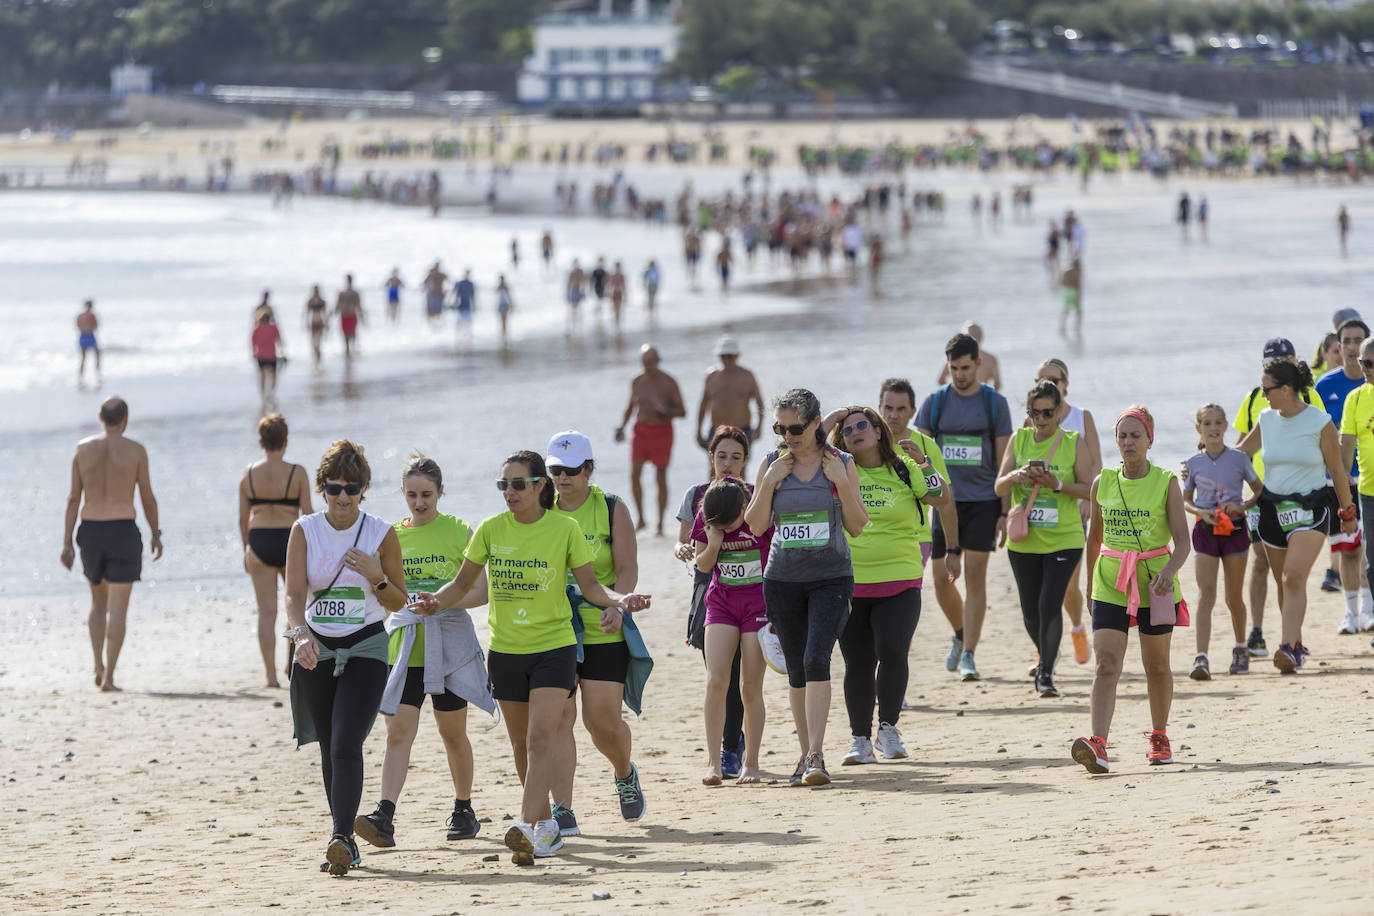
(808, 617)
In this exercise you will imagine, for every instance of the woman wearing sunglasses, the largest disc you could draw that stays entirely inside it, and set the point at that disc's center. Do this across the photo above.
(605, 663)
(1297, 508)
(728, 451)
(809, 493)
(887, 581)
(1075, 419)
(528, 552)
(343, 576)
(1045, 472)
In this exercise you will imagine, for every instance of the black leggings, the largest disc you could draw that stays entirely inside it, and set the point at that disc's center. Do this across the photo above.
(808, 617)
(877, 638)
(343, 709)
(1042, 579)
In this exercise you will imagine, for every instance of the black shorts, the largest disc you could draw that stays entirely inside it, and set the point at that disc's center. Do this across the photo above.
(514, 676)
(267, 364)
(414, 693)
(111, 551)
(606, 661)
(977, 527)
(1315, 511)
(1114, 617)
(269, 545)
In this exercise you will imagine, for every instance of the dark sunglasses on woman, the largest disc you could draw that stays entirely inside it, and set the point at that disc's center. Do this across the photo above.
(518, 484)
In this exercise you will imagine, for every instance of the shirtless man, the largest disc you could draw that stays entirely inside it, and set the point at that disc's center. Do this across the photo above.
(349, 308)
(105, 470)
(86, 324)
(656, 398)
(989, 370)
(727, 393)
(436, 283)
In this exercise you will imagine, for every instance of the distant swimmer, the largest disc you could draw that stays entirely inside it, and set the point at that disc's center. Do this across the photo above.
(652, 278)
(546, 248)
(349, 308)
(465, 300)
(86, 325)
(1052, 253)
(105, 470)
(1185, 212)
(266, 339)
(436, 286)
(576, 292)
(514, 253)
(1343, 226)
(1203, 210)
(393, 287)
(504, 305)
(1071, 285)
(598, 279)
(615, 289)
(691, 252)
(655, 401)
(728, 391)
(317, 320)
(989, 370)
(723, 261)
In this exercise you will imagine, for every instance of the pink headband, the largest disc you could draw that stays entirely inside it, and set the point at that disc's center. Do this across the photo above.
(1138, 414)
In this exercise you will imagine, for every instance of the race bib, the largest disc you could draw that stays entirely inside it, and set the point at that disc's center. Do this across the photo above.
(1252, 519)
(1045, 513)
(1293, 516)
(415, 586)
(935, 484)
(342, 604)
(804, 529)
(963, 451)
(740, 567)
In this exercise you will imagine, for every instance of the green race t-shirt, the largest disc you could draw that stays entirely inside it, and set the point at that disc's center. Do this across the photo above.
(594, 518)
(527, 574)
(889, 548)
(936, 458)
(431, 555)
(1135, 516)
(1055, 524)
(1358, 420)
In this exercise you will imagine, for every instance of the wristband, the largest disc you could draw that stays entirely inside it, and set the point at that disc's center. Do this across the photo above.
(1349, 513)
(954, 551)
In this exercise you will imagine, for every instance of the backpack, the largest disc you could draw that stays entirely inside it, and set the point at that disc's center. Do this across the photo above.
(989, 410)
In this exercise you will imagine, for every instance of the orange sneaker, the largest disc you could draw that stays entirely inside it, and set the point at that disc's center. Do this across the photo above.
(1160, 752)
(1091, 752)
(1081, 651)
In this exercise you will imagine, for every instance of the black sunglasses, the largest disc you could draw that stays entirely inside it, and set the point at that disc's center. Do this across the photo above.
(334, 489)
(561, 471)
(792, 429)
(1046, 414)
(858, 426)
(1367, 363)
(518, 484)
(1268, 388)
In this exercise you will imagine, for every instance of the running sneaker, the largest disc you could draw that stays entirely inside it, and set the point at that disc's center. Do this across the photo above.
(462, 823)
(731, 761)
(567, 821)
(341, 854)
(632, 805)
(548, 838)
(376, 828)
(1091, 752)
(956, 648)
(968, 671)
(816, 774)
(1331, 582)
(889, 742)
(1300, 653)
(1284, 660)
(1081, 650)
(1159, 753)
(860, 752)
(1350, 623)
(1044, 686)
(1240, 660)
(1033, 671)
(1201, 671)
(1366, 621)
(799, 774)
(520, 841)
(1255, 644)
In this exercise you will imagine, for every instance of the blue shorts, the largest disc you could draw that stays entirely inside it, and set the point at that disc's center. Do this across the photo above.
(87, 342)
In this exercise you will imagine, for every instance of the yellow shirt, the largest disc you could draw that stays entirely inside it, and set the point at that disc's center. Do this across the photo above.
(1358, 420)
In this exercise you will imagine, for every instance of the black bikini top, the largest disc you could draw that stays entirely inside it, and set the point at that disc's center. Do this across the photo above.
(255, 500)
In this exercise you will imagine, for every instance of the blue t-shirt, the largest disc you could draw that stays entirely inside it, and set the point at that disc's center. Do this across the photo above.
(1333, 388)
(464, 291)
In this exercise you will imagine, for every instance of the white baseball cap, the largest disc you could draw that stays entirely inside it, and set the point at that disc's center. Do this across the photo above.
(727, 346)
(568, 449)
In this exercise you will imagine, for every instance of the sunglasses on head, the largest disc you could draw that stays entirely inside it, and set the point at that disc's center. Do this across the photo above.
(518, 484)
(559, 470)
(791, 429)
(1045, 414)
(858, 426)
(334, 489)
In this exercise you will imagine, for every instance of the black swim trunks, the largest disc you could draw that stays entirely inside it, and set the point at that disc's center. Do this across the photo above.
(111, 551)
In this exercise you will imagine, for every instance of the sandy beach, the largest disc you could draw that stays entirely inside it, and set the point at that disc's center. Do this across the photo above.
(185, 793)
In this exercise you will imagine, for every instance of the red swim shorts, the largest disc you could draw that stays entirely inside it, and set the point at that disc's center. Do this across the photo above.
(349, 323)
(651, 443)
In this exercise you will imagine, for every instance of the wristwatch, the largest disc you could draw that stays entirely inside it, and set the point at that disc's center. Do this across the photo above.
(381, 586)
(1058, 485)
(294, 633)
(1349, 513)
(954, 551)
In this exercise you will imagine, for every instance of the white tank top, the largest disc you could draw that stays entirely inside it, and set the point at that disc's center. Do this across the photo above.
(1073, 420)
(350, 604)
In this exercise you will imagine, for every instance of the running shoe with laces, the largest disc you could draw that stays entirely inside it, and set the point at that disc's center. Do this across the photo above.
(816, 774)
(1201, 670)
(376, 828)
(798, 775)
(1044, 686)
(1091, 753)
(341, 854)
(860, 752)
(462, 823)
(1240, 660)
(548, 838)
(520, 841)
(968, 671)
(567, 821)
(1331, 582)
(1255, 645)
(1300, 653)
(1285, 660)
(1160, 752)
(1350, 623)
(889, 742)
(1081, 650)
(1365, 621)
(632, 805)
(956, 648)
(731, 760)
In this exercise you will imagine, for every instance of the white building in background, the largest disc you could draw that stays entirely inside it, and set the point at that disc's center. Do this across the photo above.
(599, 58)
(127, 78)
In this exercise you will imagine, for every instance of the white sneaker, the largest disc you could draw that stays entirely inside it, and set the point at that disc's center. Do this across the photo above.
(1366, 621)
(889, 741)
(860, 751)
(547, 838)
(1350, 623)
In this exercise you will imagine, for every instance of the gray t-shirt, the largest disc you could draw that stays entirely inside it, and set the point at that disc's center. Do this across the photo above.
(967, 437)
(687, 512)
(1218, 480)
(808, 537)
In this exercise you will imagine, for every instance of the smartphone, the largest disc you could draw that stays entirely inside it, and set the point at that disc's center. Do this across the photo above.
(1036, 463)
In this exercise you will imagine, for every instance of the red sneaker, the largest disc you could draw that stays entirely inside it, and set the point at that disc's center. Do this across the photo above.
(1160, 752)
(1091, 752)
